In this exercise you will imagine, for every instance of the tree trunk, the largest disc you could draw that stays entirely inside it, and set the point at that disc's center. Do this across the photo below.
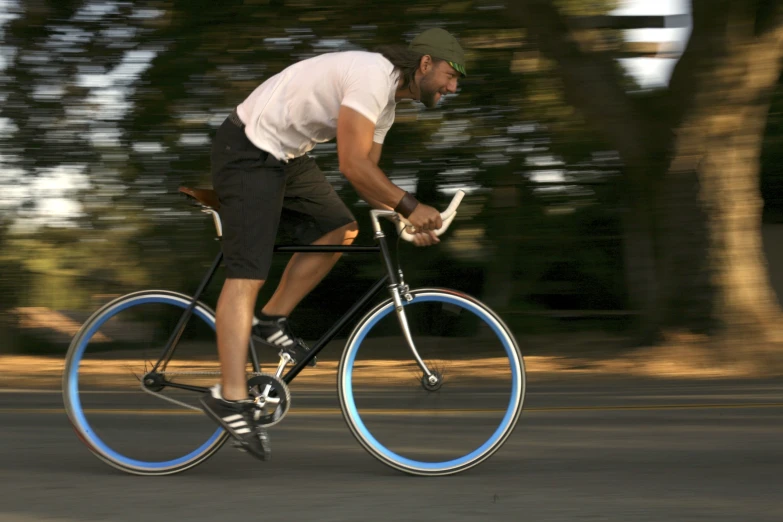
(712, 268)
(504, 205)
(593, 85)
(639, 254)
(698, 221)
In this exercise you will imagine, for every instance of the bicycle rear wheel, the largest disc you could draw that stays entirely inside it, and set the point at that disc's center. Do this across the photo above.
(152, 429)
(411, 425)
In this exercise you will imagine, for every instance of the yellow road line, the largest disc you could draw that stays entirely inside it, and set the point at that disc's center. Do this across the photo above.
(400, 412)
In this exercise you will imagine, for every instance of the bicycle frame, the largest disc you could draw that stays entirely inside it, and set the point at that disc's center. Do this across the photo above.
(393, 281)
(397, 288)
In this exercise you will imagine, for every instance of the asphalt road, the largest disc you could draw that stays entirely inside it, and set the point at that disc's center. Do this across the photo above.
(583, 450)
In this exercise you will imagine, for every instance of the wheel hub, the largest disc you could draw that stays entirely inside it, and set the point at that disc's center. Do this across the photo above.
(432, 382)
(153, 381)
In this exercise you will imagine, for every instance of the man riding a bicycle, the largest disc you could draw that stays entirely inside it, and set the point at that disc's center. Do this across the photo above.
(266, 181)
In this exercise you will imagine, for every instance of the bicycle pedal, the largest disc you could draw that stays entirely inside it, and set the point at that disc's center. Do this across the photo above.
(286, 359)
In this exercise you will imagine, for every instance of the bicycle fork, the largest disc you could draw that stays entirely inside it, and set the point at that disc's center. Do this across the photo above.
(398, 292)
(430, 380)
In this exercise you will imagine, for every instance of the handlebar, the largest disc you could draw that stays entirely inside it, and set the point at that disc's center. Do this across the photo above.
(447, 216)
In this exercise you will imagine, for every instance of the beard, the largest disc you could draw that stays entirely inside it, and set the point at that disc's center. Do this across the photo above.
(428, 94)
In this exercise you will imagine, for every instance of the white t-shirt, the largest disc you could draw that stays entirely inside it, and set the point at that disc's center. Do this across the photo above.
(293, 111)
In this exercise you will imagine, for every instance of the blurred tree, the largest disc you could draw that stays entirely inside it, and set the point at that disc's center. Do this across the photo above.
(772, 160)
(127, 95)
(692, 156)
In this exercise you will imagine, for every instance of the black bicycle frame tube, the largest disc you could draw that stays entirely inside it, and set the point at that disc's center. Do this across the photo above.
(387, 259)
(188, 387)
(382, 247)
(335, 329)
(319, 345)
(327, 248)
(168, 351)
(352, 312)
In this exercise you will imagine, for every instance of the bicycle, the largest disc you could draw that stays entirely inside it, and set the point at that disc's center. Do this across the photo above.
(427, 318)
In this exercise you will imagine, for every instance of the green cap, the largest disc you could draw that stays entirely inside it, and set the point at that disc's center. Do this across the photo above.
(439, 43)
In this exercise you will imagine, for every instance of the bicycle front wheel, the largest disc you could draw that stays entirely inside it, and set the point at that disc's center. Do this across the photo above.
(127, 416)
(405, 421)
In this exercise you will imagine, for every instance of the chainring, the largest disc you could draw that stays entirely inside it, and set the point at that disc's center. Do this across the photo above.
(270, 409)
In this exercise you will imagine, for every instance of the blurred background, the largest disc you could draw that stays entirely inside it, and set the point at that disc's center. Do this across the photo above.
(623, 171)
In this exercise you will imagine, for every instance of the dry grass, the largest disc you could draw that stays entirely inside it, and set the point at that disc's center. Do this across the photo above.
(586, 354)
(679, 361)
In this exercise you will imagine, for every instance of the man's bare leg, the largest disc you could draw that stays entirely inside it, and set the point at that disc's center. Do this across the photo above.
(305, 270)
(234, 318)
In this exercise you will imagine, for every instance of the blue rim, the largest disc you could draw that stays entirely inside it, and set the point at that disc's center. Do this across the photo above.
(432, 466)
(76, 405)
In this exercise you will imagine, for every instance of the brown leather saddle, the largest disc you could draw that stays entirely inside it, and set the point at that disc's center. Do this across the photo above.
(206, 197)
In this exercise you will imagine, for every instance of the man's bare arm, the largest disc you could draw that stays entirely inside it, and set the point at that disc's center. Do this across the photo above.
(375, 152)
(375, 156)
(359, 156)
(354, 149)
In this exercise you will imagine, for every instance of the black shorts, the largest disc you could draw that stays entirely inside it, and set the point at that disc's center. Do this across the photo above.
(262, 198)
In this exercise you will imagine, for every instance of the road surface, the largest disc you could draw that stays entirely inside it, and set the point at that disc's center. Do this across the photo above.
(584, 450)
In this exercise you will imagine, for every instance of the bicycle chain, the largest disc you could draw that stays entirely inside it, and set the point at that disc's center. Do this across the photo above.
(175, 401)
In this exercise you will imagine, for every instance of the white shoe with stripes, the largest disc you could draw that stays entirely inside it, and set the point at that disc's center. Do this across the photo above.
(278, 334)
(236, 417)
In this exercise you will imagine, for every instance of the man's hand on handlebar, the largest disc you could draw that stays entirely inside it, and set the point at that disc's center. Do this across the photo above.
(423, 224)
(425, 238)
(425, 219)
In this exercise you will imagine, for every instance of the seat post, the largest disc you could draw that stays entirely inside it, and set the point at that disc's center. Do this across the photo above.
(209, 202)
(216, 220)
